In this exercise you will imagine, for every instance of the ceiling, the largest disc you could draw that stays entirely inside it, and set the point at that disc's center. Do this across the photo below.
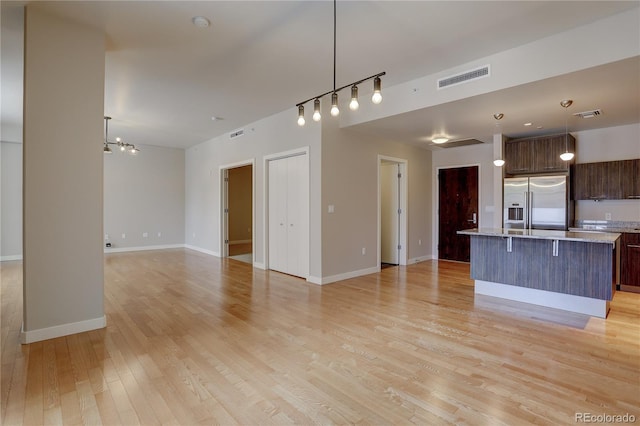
(166, 78)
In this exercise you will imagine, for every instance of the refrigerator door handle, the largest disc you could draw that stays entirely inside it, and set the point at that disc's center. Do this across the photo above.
(530, 205)
(526, 210)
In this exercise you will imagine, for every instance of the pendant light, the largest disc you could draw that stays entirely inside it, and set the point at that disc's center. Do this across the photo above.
(123, 146)
(498, 162)
(376, 98)
(566, 156)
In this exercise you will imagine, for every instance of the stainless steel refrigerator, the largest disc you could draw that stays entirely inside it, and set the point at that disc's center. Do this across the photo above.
(540, 202)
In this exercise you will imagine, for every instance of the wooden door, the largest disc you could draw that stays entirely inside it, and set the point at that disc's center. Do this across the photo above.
(457, 210)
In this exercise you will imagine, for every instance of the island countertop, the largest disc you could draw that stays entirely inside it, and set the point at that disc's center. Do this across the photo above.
(540, 234)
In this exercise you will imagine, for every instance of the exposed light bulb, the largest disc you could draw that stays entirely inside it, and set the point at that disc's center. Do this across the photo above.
(122, 148)
(354, 105)
(301, 115)
(498, 162)
(316, 110)
(334, 104)
(376, 98)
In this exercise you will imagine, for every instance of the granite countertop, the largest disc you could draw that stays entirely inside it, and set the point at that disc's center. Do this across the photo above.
(591, 237)
(606, 229)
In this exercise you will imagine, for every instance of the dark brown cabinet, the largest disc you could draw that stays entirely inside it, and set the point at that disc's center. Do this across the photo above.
(607, 180)
(630, 262)
(538, 155)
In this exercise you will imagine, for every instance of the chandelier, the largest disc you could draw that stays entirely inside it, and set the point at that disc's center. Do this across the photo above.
(376, 98)
(121, 146)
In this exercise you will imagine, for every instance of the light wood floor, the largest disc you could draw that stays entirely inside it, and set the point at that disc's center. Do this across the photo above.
(192, 339)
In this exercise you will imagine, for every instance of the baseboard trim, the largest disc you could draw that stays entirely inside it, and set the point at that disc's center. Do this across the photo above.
(9, 258)
(420, 259)
(142, 248)
(32, 336)
(344, 276)
(259, 265)
(201, 250)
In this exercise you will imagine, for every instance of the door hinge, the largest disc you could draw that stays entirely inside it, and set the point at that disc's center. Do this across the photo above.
(226, 179)
(399, 211)
(399, 175)
(226, 210)
(399, 247)
(226, 241)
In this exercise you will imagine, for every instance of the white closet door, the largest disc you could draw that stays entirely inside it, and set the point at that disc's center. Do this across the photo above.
(297, 214)
(289, 215)
(278, 215)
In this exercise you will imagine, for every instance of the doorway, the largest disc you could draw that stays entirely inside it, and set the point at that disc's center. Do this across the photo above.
(237, 212)
(392, 211)
(457, 210)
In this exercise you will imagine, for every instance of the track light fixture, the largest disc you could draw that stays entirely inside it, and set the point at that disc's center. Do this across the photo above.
(122, 146)
(376, 98)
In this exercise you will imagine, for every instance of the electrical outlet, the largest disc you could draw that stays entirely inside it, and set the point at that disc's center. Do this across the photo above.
(124, 236)
(145, 234)
(419, 242)
(159, 234)
(106, 237)
(364, 251)
(607, 216)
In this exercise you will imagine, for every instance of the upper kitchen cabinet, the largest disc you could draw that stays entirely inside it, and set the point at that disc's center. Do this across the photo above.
(607, 180)
(538, 154)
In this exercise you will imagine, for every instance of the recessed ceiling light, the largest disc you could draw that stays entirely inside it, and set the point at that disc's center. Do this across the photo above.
(200, 22)
(439, 140)
(214, 118)
(528, 124)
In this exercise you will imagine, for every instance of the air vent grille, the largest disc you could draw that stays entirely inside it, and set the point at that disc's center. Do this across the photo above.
(588, 114)
(464, 77)
(236, 134)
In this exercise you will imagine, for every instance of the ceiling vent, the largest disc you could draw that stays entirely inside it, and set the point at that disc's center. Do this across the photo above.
(588, 114)
(236, 134)
(464, 77)
(455, 144)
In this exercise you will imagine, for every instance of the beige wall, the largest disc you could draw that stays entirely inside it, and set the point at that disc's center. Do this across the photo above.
(240, 203)
(10, 201)
(144, 194)
(63, 177)
(350, 184)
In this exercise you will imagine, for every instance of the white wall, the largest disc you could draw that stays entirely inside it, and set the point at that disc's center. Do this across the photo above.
(608, 144)
(271, 135)
(10, 201)
(144, 193)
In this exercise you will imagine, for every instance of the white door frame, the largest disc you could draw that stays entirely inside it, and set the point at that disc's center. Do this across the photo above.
(224, 199)
(404, 203)
(265, 205)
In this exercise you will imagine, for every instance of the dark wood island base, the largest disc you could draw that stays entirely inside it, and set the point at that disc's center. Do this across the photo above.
(573, 271)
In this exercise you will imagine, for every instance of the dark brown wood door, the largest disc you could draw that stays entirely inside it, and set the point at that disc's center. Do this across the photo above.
(458, 210)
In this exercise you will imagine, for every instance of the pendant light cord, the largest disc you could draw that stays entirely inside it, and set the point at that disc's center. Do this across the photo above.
(334, 46)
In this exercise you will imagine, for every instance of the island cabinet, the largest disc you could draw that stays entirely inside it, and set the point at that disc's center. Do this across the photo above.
(574, 271)
(630, 262)
(538, 155)
(607, 180)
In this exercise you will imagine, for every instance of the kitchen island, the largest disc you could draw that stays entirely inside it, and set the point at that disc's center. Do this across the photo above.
(573, 271)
